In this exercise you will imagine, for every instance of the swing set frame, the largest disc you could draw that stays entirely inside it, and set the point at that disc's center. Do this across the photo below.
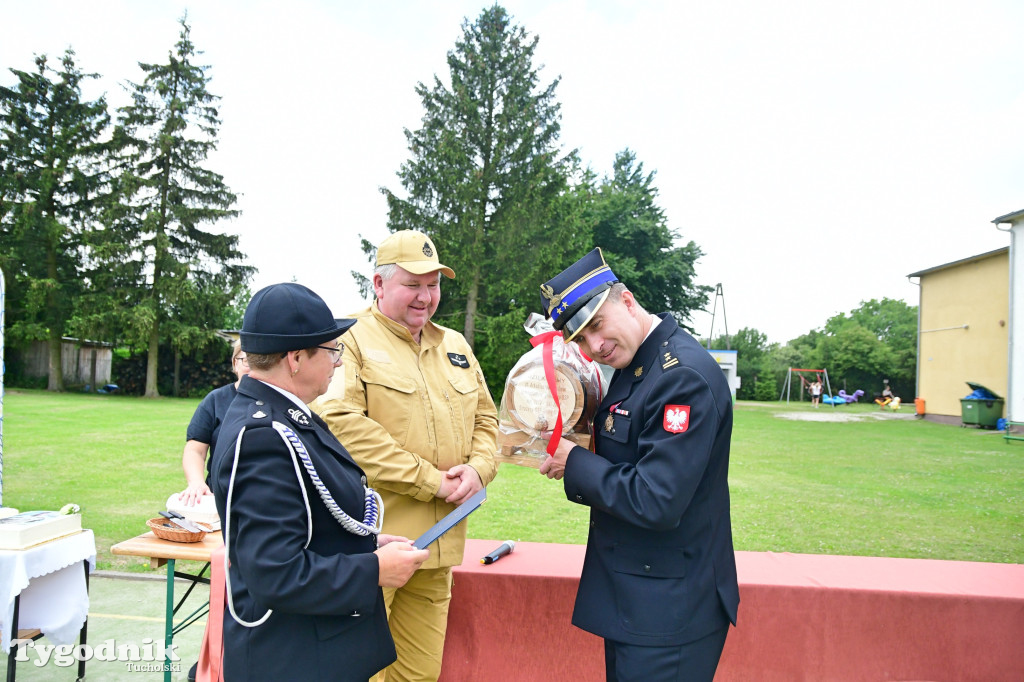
(802, 375)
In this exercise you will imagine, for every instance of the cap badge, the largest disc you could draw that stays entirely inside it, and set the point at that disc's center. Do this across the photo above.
(427, 251)
(298, 416)
(553, 298)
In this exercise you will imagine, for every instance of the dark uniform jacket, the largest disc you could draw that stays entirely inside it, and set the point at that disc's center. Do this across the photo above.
(660, 568)
(328, 620)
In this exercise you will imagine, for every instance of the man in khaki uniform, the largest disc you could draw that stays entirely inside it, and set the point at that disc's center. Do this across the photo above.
(415, 413)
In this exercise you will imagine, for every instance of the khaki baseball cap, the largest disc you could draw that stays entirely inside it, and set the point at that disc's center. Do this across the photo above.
(412, 251)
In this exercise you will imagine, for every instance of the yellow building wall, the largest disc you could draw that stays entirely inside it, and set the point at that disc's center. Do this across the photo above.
(975, 294)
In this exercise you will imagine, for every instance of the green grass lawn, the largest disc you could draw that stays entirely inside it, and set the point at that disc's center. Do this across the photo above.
(875, 486)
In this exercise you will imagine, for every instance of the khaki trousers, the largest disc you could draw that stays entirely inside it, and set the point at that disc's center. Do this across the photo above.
(418, 617)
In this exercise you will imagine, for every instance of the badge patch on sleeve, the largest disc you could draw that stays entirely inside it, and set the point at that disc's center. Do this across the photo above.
(458, 360)
(677, 418)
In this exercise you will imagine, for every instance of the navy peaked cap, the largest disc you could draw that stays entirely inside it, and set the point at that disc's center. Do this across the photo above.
(288, 316)
(573, 296)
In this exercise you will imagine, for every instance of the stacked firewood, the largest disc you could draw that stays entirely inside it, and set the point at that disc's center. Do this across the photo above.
(196, 376)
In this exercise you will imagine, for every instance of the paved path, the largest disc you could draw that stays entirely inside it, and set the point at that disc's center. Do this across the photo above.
(125, 611)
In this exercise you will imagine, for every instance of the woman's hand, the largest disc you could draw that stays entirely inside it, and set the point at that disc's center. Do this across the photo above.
(190, 495)
(398, 560)
(385, 539)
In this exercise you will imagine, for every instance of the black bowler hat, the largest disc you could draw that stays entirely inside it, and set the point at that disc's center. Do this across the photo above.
(573, 296)
(288, 316)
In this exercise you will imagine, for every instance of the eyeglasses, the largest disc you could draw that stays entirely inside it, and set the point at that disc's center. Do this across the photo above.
(244, 360)
(335, 352)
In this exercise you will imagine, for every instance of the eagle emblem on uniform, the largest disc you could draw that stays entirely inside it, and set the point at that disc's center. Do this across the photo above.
(677, 418)
(549, 293)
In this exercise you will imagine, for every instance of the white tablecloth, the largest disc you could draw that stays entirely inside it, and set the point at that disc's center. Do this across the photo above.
(51, 582)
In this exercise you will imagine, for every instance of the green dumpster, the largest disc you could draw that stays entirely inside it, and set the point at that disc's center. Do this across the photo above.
(981, 408)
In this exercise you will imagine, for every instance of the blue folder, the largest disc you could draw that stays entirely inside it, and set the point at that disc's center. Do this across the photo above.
(450, 521)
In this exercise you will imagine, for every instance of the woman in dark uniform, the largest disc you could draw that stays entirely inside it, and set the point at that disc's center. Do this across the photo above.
(305, 560)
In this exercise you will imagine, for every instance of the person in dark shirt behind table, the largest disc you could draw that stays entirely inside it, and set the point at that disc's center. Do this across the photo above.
(201, 435)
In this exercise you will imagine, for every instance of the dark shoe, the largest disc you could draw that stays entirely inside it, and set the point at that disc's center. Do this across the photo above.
(192, 672)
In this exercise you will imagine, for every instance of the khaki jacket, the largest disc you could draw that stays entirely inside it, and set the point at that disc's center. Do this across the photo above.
(407, 412)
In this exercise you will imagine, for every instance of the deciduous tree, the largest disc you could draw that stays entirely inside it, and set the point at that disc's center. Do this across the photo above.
(893, 326)
(639, 245)
(752, 365)
(875, 341)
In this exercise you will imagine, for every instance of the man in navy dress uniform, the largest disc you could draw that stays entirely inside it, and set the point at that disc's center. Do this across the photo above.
(659, 578)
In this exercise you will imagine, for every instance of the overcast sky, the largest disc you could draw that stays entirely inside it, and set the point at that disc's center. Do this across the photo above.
(816, 151)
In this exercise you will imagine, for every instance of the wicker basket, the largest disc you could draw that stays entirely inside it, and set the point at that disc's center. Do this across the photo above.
(162, 528)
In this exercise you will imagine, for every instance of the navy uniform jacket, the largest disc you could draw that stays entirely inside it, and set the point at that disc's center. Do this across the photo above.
(660, 568)
(328, 620)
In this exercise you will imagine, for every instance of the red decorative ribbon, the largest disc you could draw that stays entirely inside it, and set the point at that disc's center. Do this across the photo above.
(548, 341)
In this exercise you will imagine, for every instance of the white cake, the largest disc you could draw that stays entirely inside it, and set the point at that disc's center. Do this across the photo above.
(205, 511)
(24, 530)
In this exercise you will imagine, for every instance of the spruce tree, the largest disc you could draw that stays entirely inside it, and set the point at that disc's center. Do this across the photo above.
(167, 278)
(52, 164)
(487, 181)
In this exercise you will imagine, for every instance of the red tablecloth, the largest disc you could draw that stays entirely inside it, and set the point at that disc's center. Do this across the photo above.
(802, 617)
(510, 620)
